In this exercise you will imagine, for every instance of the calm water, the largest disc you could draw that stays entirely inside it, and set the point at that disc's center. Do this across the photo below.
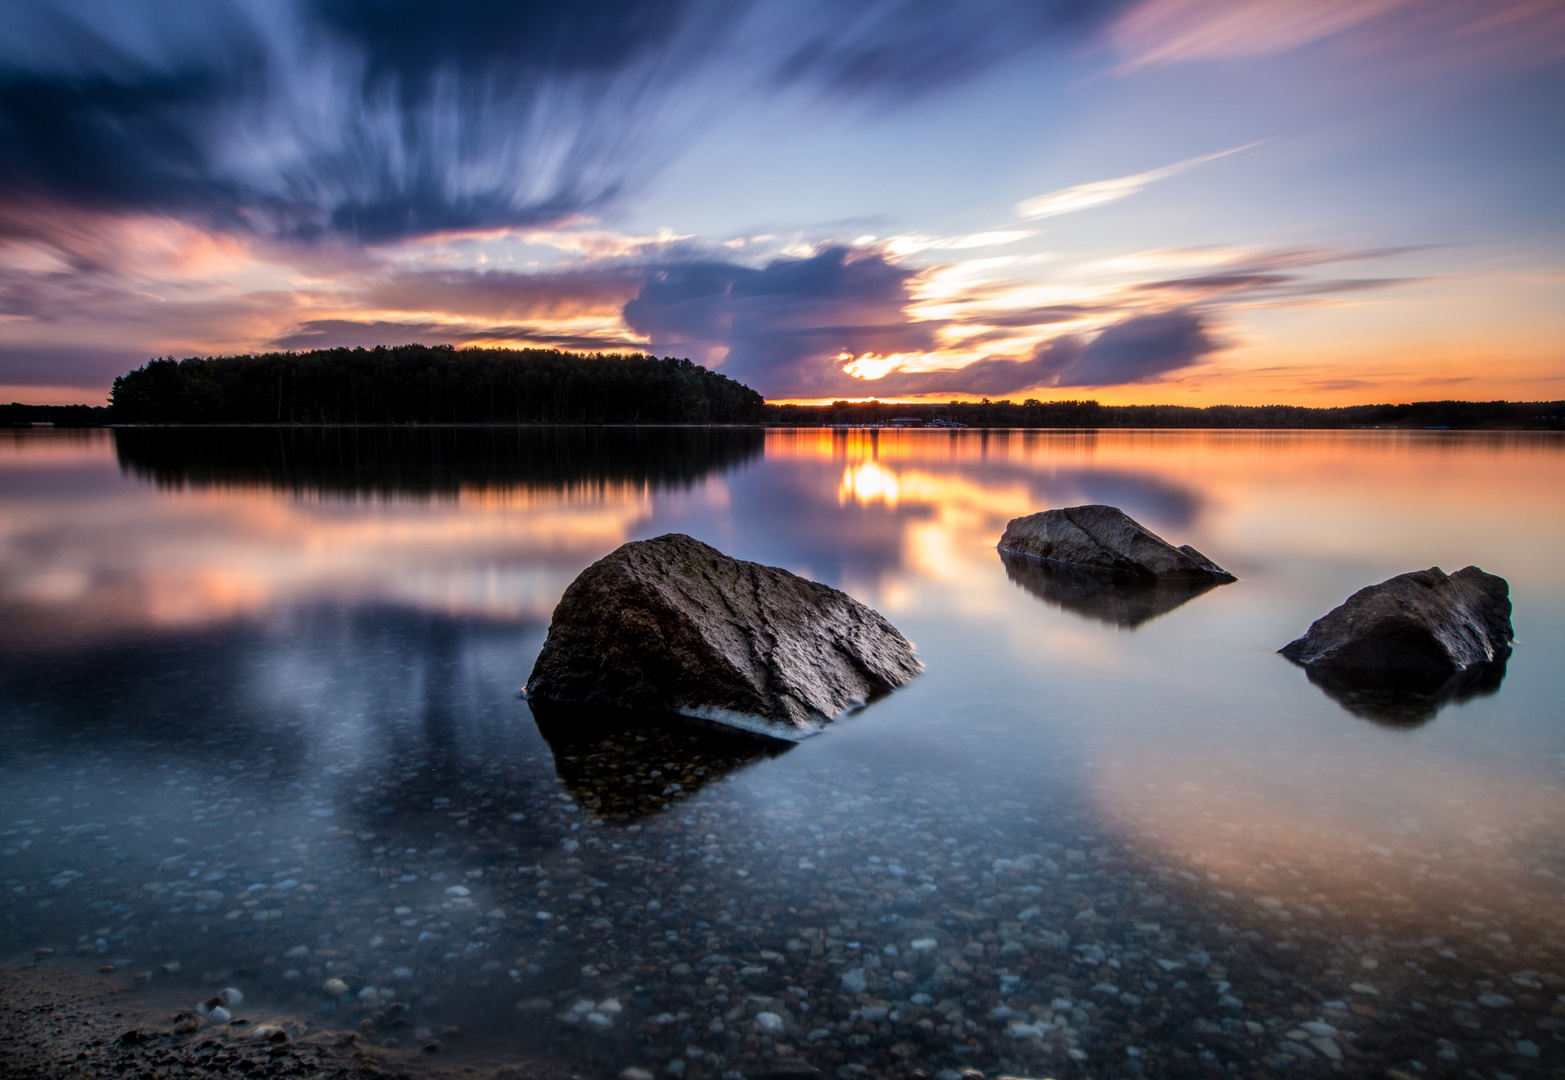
(258, 696)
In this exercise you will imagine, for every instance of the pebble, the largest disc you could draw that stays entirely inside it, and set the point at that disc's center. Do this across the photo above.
(728, 926)
(1328, 1049)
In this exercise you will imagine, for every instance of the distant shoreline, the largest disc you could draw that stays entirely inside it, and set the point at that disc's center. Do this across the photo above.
(877, 416)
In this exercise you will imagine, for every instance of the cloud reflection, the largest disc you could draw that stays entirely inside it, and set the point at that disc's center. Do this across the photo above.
(246, 524)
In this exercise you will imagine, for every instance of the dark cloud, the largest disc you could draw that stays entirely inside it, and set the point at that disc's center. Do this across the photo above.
(912, 47)
(1141, 348)
(1259, 284)
(782, 327)
(387, 118)
(410, 43)
(1212, 284)
(778, 327)
(502, 294)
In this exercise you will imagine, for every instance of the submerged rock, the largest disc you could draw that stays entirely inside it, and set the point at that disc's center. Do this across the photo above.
(1424, 633)
(674, 625)
(1107, 540)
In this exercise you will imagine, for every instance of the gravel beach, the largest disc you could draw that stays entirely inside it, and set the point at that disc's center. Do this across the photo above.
(58, 1020)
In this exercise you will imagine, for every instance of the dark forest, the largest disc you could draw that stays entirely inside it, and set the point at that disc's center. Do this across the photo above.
(421, 384)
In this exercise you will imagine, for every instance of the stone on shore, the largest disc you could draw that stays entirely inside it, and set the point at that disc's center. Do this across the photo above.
(1106, 539)
(673, 625)
(1413, 632)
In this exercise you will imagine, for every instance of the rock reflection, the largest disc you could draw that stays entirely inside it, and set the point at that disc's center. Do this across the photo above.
(1409, 704)
(622, 765)
(1119, 601)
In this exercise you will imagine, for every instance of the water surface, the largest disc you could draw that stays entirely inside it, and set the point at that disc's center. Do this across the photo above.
(258, 696)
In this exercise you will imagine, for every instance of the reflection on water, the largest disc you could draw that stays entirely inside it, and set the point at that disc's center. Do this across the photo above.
(382, 461)
(622, 765)
(246, 522)
(260, 716)
(1409, 705)
(1112, 599)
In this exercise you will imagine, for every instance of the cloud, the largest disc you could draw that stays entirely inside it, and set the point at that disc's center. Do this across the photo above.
(1138, 349)
(915, 47)
(1102, 192)
(504, 294)
(353, 333)
(775, 327)
(1157, 32)
(379, 119)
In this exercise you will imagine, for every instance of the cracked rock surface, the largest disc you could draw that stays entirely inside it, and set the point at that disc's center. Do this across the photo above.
(1107, 540)
(674, 625)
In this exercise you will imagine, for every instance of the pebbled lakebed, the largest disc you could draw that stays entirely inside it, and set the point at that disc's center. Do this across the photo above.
(261, 730)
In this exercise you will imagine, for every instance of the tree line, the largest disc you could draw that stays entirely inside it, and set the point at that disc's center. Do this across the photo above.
(430, 384)
(18, 415)
(1033, 413)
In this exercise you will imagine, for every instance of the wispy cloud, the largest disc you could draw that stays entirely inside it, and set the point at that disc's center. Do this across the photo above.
(1158, 32)
(1103, 192)
(358, 118)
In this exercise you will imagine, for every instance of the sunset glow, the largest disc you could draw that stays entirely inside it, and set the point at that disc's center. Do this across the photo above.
(1162, 201)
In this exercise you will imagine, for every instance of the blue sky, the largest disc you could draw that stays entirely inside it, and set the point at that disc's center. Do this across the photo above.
(1191, 201)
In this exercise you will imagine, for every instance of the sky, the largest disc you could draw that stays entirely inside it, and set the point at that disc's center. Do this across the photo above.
(1175, 201)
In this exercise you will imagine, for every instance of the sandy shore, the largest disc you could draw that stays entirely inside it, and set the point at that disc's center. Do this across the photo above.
(61, 1020)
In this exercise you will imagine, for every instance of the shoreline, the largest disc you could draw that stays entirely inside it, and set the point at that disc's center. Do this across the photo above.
(60, 1019)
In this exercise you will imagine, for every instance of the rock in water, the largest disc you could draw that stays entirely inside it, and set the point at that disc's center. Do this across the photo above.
(673, 625)
(1414, 631)
(1106, 539)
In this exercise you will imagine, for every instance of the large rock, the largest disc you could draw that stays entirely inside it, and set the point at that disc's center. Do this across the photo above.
(1414, 632)
(1107, 540)
(673, 625)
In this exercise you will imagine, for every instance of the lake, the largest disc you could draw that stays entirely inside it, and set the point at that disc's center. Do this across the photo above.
(259, 696)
